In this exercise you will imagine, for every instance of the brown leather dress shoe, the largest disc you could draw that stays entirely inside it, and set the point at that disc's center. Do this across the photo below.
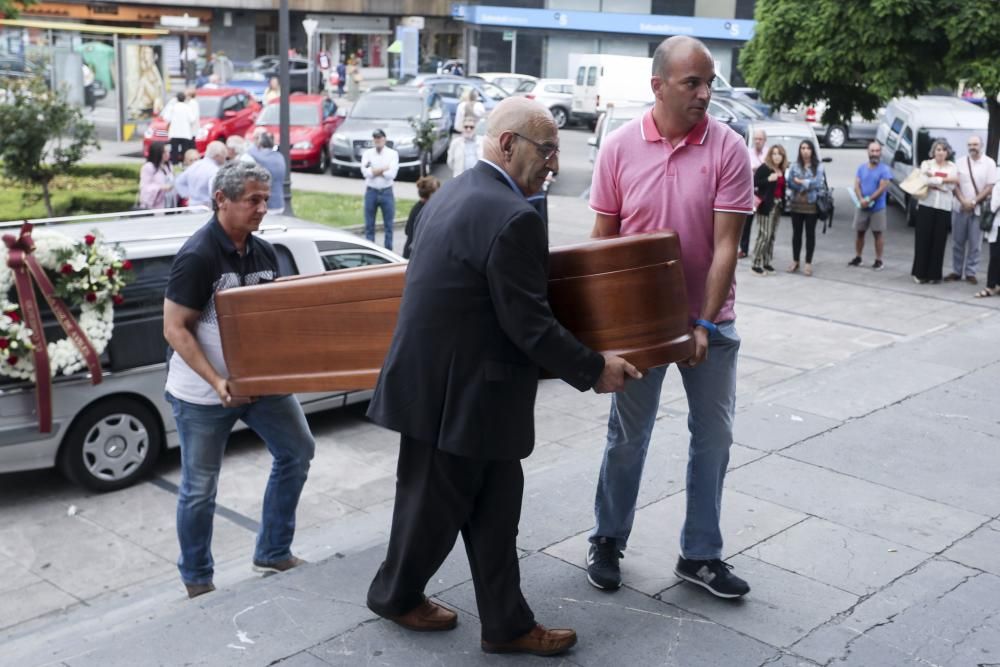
(194, 590)
(537, 641)
(971, 280)
(427, 617)
(281, 566)
(951, 277)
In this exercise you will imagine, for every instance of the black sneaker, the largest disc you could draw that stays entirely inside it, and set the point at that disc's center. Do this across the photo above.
(602, 565)
(855, 262)
(878, 265)
(769, 268)
(713, 575)
(758, 270)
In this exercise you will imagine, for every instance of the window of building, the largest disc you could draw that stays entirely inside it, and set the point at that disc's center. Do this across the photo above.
(673, 7)
(744, 9)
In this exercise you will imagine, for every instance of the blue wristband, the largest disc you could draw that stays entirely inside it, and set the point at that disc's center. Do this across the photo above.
(710, 327)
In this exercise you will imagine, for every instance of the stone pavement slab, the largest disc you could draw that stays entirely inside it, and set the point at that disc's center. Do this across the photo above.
(771, 426)
(782, 606)
(864, 506)
(652, 550)
(980, 549)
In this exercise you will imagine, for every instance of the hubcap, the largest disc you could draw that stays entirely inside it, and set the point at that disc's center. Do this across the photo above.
(836, 137)
(115, 447)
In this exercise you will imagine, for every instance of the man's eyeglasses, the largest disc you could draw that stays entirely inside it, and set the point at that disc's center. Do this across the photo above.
(545, 151)
(470, 127)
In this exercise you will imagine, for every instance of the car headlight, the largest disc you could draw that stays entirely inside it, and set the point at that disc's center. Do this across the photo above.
(302, 146)
(405, 143)
(341, 140)
(204, 130)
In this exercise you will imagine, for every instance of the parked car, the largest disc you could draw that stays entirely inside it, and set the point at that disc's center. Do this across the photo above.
(252, 81)
(556, 94)
(613, 118)
(107, 436)
(389, 110)
(298, 72)
(224, 112)
(509, 81)
(911, 125)
(451, 89)
(310, 129)
(834, 136)
(730, 113)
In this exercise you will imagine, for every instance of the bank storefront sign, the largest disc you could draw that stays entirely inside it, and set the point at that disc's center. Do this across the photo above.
(632, 24)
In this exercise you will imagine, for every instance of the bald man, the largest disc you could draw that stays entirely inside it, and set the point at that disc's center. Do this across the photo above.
(460, 379)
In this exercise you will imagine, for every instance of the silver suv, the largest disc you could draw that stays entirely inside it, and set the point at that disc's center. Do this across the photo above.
(106, 436)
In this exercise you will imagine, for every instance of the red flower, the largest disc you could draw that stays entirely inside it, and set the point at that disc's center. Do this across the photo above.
(4, 343)
(12, 360)
(89, 239)
(118, 299)
(110, 273)
(91, 297)
(66, 268)
(127, 265)
(14, 317)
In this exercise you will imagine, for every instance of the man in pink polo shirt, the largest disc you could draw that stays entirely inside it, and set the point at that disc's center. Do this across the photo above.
(677, 168)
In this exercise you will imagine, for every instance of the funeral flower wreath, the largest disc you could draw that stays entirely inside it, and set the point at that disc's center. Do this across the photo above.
(86, 274)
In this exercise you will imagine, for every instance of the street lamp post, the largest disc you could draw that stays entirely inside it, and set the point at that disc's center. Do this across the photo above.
(310, 25)
(283, 110)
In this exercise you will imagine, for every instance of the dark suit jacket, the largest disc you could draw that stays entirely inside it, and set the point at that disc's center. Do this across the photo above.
(475, 325)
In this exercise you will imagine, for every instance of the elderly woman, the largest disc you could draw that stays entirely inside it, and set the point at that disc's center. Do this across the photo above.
(934, 214)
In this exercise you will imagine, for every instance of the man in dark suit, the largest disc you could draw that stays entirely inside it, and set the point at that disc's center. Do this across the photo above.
(460, 379)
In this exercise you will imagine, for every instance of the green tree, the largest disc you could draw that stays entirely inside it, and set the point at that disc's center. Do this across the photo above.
(43, 135)
(9, 9)
(853, 54)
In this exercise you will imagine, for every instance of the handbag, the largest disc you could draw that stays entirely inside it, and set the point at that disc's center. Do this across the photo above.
(987, 215)
(915, 184)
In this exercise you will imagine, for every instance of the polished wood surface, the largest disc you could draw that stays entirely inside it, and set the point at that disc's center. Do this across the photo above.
(331, 331)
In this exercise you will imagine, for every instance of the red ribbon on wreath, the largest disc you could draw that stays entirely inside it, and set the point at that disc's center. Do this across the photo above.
(22, 262)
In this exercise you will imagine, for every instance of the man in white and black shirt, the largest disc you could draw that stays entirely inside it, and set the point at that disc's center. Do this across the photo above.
(224, 254)
(379, 166)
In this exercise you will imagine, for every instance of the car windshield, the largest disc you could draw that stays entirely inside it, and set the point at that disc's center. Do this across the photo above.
(742, 109)
(387, 107)
(526, 87)
(208, 107)
(298, 114)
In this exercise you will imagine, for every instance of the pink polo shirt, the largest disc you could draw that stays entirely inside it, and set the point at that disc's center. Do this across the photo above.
(650, 185)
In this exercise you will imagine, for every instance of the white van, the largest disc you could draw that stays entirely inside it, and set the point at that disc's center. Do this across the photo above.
(911, 125)
(602, 78)
(107, 436)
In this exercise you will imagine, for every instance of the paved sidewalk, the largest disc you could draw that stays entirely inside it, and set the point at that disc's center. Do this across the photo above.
(862, 505)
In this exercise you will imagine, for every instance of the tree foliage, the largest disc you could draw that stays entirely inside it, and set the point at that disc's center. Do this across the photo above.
(43, 135)
(9, 9)
(853, 54)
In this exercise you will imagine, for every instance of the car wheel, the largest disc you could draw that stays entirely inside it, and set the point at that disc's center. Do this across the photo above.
(836, 136)
(560, 116)
(324, 162)
(111, 445)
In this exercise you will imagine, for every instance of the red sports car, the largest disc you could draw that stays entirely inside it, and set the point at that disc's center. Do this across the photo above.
(312, 121)
(224, 112)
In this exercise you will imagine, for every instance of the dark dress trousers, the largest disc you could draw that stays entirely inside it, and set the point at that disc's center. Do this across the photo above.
(459, 383)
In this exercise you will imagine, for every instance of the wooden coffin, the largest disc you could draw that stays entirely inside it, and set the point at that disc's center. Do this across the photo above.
(331, 331)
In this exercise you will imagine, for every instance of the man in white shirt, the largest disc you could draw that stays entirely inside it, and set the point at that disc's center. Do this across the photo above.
(758, 151)
(195, 183)
(379, 166)
(976, 175)
(181, 128)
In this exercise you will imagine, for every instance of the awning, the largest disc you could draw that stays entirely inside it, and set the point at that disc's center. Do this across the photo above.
(84, 27)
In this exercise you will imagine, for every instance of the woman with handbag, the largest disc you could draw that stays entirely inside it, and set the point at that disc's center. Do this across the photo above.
(805, 181)
(768, 189)
(993, 236)
(934, 214)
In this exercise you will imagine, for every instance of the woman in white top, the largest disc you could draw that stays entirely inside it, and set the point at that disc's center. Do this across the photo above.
(469, 108)
(183, 124)
(465, 151)
(993, 236)
(934, 214)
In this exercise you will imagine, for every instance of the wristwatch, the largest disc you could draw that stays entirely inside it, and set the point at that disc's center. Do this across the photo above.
(710, 327)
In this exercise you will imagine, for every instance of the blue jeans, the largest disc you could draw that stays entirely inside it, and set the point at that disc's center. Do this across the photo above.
(375, 199)
(204, 431)
(711, 394)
